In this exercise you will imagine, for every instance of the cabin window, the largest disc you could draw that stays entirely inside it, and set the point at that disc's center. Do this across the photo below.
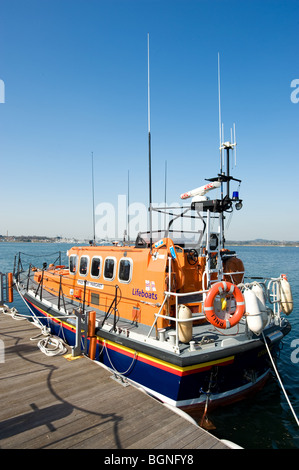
(73, 264)
(83, 265)
(96, 265)
(125, 270)
(109, 269)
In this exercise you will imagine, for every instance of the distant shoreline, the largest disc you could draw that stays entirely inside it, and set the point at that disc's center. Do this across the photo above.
(41, 239)
(282, 244)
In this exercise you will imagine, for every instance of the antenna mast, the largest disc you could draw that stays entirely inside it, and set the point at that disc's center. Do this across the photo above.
(220, 148)
(165, 194)
(219, 111)
(128, 206)
(92, 182)
(149, 142)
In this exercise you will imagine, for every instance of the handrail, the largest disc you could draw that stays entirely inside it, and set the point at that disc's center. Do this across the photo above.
(112, 307)
(199, 317)
(231, 274)
(178, 295)
(182, 294)
(57, 281)
(177, 320)
(273, 294)
(61, 293)
(155, 321)
(40, 285)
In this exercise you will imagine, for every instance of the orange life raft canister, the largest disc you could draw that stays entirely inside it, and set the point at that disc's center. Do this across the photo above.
(222, 288)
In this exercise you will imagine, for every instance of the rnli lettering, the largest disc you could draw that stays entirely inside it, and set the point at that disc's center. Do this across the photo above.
(217, 320)
(146, 295)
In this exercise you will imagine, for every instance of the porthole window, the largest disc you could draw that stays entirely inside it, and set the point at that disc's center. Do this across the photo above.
(109, 269)
(96, 266)
(125, 270)
(84, 260)
(73, 264)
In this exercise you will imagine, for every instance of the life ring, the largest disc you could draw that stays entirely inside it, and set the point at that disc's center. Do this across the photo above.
(221, 288)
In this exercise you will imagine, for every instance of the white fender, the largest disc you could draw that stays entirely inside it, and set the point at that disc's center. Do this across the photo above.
(185, 328)
(253, 313)
(260, 294)
(286, 298)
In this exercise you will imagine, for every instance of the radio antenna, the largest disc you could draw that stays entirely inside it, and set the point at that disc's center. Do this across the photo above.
(165, 193)
(128, 208)
(220, 149)
(235, 142)
(219, 111)
(92, 182)
(149, 142)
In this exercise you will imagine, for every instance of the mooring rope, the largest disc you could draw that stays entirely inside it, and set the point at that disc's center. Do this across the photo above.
(12, 312)
(52, 346)
(35, 318)
(57, 344)
(279, 379)
(130, 366)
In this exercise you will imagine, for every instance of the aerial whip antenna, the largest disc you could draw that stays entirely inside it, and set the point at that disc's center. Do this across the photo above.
(219, 112)
(128, 208)
(235, 148)
(220, 148)
(149, 142)
(92, 182)
(165, 193)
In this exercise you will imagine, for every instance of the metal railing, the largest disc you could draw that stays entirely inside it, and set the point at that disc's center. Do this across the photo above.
(176, 319)
(177, 295)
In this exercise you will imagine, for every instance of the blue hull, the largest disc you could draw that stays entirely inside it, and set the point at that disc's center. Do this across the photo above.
(224, 380)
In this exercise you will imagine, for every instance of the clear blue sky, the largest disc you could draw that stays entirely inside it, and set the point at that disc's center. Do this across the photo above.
(75, 75)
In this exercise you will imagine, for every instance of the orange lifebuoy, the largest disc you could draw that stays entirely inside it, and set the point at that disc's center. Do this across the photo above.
(220, 288)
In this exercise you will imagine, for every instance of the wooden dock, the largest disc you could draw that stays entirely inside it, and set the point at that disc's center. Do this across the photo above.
(58, 402)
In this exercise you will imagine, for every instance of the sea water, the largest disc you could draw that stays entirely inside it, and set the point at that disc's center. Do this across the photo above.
(263, 421)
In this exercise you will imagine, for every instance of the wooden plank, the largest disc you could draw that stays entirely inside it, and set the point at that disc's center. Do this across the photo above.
(52, 402)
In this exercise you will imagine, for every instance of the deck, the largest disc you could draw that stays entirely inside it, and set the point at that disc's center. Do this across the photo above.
(58, 402)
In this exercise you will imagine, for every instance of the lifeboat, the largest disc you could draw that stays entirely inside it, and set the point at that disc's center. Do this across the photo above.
(166, 313)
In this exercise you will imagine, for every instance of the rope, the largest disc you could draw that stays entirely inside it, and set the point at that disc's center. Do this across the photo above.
(43, 332)
(277, 374)
(56, 346)
(12, 312)
(36, 320)
(115, 370)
